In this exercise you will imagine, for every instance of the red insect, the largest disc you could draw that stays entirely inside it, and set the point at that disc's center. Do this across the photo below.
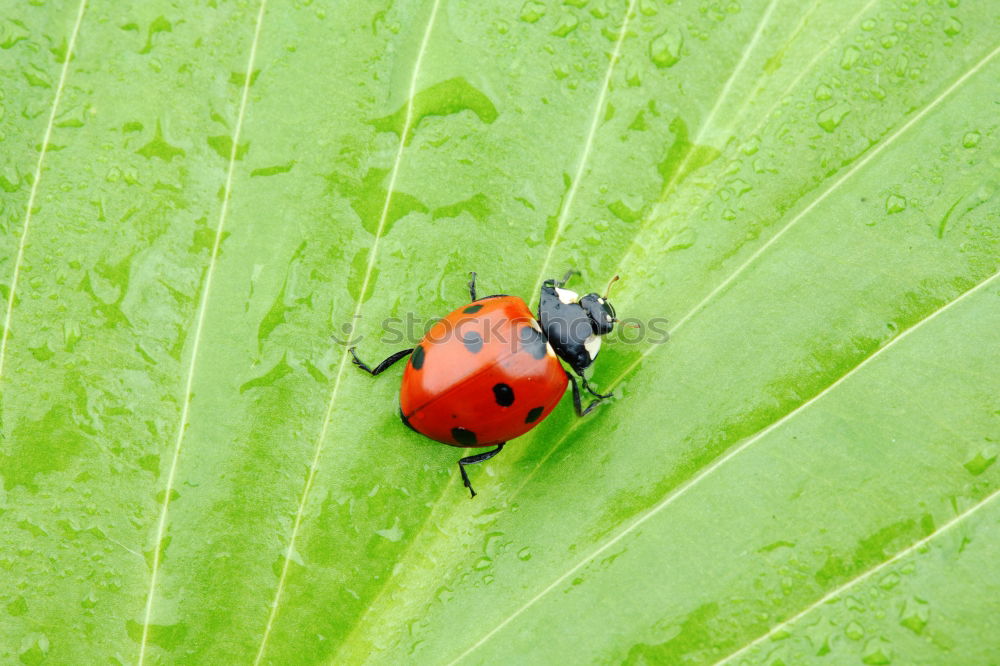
(490, 371)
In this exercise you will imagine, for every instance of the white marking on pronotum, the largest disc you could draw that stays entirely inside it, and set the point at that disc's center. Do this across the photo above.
(593, 345)
(566, 296)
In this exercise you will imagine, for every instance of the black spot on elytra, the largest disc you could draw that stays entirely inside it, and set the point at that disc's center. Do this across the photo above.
(406, 421)
(504, 394)
(464, 437)
(534, 414)
(532, 341)
(473, 342)
(472, 309)
(417, 360)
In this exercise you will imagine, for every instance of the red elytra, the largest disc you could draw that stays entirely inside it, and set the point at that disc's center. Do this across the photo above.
(490, 371)
(472, 380)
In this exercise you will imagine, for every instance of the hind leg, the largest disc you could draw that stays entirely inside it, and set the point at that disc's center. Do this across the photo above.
(472, 460)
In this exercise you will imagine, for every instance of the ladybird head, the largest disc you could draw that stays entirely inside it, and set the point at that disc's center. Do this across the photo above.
(574, 324)
(601, 313)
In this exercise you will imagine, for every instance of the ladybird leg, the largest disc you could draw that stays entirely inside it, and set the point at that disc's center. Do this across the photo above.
(592, 392)
(577, 402)
(472, 460)
(381, 367)
(472, 285)
(570, 273)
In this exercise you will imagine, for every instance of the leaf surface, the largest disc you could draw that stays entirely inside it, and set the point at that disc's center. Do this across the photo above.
(194, 198)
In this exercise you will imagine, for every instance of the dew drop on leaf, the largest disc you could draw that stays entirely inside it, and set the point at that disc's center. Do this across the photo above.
(531, 11)
(831, 117)
(971, 139)
(850, 57)
(895, 204)
(665, 50)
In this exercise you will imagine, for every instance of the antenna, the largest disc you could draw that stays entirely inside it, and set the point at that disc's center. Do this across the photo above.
(608, 290)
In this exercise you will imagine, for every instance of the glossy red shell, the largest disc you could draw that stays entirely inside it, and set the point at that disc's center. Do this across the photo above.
(453, 384)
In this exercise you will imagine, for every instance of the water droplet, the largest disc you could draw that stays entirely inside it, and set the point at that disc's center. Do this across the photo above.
(971, 140)
(868, 25)
(394, 533)
(914, 616)
(90, 600)
(11, 32)
(876, 654)
(41, 352)
(501, 26)
(740, 186)
(831, 117)
(982, 461)
(850, 57)
(952, 27)
(566, 25)
(531, 11)
(37, 78)
(524, 554)
(895, 204)
(854, 631)
(17, 607)
(822, 93)
(889, 581)
(665, 50)
(34, 649)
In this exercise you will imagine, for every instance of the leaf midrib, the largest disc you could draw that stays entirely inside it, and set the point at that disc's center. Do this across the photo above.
(372, 255)
(199, 326)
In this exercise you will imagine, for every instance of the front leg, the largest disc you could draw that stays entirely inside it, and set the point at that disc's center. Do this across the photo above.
(381, 367)
(578, 403)
(592, 392)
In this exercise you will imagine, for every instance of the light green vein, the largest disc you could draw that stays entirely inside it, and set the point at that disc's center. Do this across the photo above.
(372, 255)
(683, 489)
(199, 326)
(19, 260)
(833, 594)
(588, 145)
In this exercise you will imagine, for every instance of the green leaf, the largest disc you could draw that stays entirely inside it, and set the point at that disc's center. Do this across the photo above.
(200, 205)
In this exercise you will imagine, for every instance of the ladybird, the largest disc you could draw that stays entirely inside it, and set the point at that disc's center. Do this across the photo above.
(490, 371)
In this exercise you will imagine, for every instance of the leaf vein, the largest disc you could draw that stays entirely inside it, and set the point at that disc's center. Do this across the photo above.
(199, 326)
(19, 259)
(327, 417)
(682, 489)
(588, 145)
(836, 592)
